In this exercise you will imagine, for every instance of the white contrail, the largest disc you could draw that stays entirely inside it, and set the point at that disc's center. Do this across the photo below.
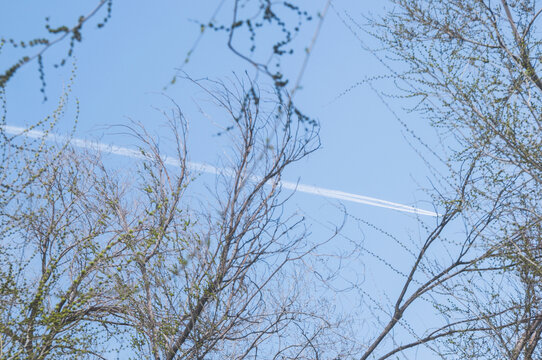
(200, 167)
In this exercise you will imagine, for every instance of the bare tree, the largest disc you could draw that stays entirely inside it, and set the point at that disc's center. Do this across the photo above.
(225, 286)
(93, 261)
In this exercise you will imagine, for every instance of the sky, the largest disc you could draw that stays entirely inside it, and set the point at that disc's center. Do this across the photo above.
(123, 71)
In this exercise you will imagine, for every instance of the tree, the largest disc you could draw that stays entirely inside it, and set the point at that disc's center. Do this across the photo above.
(89, 255)
(92, 259)
(219, 291)
(471, 68)
(94, 256)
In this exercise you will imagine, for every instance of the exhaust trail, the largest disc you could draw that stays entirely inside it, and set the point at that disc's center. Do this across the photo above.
(206, 168)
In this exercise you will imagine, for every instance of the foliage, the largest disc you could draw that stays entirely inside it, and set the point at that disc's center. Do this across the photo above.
(36, 48)
(471, 68)
(95, 263)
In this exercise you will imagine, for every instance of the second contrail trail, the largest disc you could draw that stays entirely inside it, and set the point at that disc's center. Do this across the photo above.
(206, 168)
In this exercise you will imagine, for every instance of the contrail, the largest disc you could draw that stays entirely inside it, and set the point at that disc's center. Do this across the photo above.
(206, 168)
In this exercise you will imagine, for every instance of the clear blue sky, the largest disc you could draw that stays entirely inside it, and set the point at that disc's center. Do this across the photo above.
(123, 68)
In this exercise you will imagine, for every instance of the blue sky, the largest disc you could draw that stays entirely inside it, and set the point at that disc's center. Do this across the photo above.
(123, 68)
